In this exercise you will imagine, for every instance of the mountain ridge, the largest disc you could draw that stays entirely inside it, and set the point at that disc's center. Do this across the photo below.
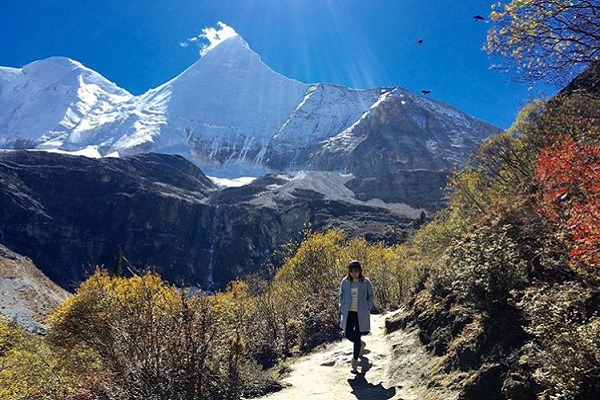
(231, 113)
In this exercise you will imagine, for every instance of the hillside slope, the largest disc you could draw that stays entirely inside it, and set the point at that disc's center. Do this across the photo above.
(27, 296)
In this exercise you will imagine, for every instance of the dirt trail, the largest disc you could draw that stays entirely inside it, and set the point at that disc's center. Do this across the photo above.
(393, 367)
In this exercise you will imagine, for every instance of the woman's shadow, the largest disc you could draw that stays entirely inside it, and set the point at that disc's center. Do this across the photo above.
(364, 390)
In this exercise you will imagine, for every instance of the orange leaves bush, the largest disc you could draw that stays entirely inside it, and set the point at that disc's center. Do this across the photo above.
(569, 177)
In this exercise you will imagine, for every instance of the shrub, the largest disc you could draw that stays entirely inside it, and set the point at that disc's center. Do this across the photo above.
(320, 322)
(569, 177)
(565, 324)
(10, 334)
(155, 341)
(29, 369)
(487, 265)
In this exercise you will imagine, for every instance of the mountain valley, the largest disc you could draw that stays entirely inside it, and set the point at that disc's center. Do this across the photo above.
(373, 163)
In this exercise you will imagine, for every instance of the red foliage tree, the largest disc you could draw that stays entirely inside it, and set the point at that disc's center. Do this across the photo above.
(569, 176)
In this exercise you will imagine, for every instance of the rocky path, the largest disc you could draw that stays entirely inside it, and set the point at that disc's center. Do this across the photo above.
(393, 367)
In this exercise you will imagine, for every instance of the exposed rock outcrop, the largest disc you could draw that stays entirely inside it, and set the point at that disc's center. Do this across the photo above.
(27, 296)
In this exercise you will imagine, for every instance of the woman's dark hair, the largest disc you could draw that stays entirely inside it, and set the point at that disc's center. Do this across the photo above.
(355, 265)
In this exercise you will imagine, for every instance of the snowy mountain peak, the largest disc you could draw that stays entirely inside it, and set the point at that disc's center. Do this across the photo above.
(232, 113)
(234, 43)
(51, 67)
(63, 70)
(225, 107)
(233, 62)
(43, 102)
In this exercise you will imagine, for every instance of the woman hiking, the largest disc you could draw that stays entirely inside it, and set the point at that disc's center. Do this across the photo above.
(356, 302)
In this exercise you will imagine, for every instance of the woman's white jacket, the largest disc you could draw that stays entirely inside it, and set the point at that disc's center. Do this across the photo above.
(365, 303)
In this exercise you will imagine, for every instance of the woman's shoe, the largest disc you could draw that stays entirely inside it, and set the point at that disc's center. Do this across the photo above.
(354, 364)
(362, 348)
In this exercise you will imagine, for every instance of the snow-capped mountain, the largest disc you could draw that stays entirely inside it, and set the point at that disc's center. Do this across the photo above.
(232, 115)
(44, 103)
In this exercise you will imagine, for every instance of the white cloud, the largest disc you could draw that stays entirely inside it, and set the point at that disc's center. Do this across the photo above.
(189, 40)
(214, 36)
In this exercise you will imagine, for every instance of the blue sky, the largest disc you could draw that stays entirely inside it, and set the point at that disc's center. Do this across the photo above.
(362, 44)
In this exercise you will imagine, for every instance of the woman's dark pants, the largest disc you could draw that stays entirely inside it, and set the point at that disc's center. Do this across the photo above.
(353, 332)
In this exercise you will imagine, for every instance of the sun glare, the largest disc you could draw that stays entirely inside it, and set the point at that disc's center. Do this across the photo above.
(333, 53)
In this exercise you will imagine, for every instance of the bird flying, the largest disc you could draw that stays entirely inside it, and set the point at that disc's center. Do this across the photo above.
(419, 42)
(478, 18)
(425, 92)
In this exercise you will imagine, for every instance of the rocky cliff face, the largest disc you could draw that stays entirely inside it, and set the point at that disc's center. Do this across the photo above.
(71, 213)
